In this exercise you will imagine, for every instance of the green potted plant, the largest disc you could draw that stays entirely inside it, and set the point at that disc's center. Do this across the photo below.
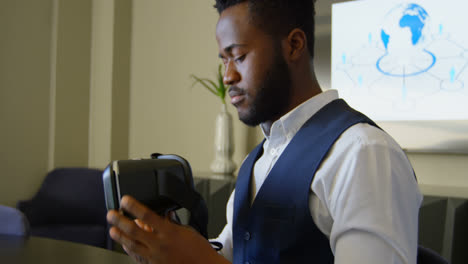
(223, 140)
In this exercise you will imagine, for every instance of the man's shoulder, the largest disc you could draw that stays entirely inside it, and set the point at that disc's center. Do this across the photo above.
(367, 135)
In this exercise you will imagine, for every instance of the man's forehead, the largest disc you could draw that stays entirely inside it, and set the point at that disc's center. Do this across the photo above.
(240, 10)
(233, 26)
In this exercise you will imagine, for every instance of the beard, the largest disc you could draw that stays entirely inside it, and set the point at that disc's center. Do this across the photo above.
(273, 96)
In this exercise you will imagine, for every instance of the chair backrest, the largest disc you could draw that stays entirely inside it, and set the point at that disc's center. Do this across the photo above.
(13, 222)
(428, 256)
(68, 196)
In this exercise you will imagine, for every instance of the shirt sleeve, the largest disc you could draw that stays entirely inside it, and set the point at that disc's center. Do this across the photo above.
(369, 188)
(225, 237)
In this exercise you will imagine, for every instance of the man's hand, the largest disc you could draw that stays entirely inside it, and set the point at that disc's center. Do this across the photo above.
(155, 239)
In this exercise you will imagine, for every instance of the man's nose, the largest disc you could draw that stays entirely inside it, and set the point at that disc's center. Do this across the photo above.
(231, 75)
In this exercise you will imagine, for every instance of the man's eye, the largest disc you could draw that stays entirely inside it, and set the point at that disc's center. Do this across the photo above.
(240, 58)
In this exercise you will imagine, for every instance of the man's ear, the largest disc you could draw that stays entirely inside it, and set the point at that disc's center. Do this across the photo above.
(295, 44)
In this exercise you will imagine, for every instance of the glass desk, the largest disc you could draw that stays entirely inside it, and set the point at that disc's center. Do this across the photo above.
(34, 250)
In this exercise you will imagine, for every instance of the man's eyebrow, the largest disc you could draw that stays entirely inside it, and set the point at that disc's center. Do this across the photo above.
(229, 48)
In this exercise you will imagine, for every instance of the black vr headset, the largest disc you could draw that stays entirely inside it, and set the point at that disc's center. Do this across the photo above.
(163, 183)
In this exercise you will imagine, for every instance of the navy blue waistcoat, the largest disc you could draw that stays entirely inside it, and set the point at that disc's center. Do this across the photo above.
(278, 227)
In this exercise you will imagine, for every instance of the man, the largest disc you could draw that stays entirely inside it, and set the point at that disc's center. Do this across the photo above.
(327, 185)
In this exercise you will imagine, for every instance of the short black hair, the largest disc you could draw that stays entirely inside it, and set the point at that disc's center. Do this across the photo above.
(278, 17)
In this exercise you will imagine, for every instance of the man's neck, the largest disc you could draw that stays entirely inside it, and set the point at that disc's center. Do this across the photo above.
(300, 96)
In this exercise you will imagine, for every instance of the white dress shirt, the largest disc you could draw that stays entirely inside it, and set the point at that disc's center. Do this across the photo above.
(364, 196)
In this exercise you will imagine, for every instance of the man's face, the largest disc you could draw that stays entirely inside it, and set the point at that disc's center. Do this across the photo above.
(255, 68)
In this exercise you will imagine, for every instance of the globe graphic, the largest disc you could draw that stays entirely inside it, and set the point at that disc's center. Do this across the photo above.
(404, 33)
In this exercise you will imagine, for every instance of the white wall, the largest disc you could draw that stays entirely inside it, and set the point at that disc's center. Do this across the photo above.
(441, 174)
(110, 81)
(44, 91)
(25, 28)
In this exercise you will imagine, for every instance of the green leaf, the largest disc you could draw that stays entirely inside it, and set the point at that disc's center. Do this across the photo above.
(218, 90)
(222, 87)
(203, 82)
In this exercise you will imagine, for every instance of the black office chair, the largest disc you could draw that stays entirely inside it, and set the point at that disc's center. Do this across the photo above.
(70, 206)
(13, 222)
(428, 256)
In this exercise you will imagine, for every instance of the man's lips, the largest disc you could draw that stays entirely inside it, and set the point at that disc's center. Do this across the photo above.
(236, 99)
(236, 94)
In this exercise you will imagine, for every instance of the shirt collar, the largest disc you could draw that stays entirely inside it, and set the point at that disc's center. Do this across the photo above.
(287, 126)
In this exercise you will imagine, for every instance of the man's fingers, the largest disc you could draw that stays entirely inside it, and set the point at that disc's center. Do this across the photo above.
(143, 226)
(126, 225)
(131, 246)
(140, 211)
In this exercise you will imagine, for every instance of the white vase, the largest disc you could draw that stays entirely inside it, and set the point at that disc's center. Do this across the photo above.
(223, 144)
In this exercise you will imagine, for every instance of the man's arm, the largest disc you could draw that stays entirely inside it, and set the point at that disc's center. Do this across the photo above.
(373, 198)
